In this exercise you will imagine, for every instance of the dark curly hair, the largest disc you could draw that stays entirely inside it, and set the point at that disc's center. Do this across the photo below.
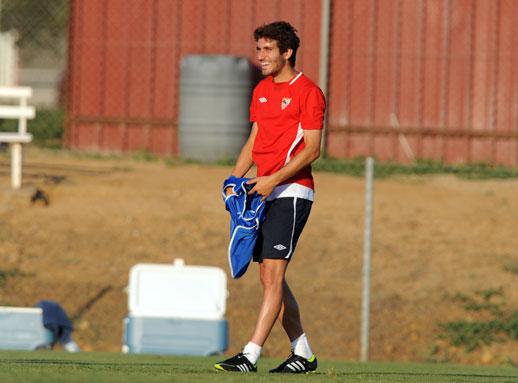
(282, 32)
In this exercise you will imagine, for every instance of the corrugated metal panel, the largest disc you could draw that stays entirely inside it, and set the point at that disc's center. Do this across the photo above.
(424, 79)
(408, 78)
(125, 55)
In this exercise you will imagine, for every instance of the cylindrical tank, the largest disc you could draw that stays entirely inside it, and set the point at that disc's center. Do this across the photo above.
(215, 93)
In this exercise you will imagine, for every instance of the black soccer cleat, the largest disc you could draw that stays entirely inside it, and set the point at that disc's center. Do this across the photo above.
(238, 363)
(296, 364)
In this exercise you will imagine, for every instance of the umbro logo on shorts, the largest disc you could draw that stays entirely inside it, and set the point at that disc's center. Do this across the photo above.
(280, 247)
(262, 100)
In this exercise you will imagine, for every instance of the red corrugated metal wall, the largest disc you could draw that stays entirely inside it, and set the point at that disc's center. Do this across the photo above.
(125, 56)
(408, 78)
(426, 79)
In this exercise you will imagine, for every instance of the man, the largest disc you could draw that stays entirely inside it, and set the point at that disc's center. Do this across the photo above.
(287, 111)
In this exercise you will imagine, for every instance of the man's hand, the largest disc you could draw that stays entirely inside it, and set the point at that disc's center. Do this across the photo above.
(263, 185)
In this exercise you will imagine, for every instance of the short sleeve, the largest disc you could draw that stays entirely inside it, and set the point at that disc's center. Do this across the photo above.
(253, 107)
(312, 106)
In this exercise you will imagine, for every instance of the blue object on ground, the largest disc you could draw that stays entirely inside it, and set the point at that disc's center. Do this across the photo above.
(56, 320)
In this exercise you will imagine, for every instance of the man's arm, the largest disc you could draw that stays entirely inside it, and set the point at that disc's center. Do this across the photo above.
(265, 185)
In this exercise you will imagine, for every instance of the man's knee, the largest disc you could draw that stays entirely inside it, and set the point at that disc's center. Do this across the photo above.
(272, 273)
(271, 280)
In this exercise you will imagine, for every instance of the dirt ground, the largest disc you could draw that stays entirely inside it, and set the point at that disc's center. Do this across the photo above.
(433, 236)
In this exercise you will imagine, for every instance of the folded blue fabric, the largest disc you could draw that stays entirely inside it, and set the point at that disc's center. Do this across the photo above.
(246, 214)
(56, 320)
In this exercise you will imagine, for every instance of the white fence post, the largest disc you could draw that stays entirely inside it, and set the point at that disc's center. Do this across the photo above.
(16, 165)
(367, 250)
(20, 112)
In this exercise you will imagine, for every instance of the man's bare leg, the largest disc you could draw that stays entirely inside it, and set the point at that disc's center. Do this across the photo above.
(272, 272)
(289, 315)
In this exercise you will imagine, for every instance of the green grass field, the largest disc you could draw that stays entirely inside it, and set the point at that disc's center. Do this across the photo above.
(28, 367)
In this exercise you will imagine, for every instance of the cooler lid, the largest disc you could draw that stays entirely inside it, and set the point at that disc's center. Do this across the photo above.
(161, 290)
(21, 310)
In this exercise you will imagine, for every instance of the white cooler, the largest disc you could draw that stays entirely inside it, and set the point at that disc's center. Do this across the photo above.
(176, 310)
(21, 328)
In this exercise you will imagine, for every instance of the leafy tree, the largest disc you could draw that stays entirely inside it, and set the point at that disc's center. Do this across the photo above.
(39, 24)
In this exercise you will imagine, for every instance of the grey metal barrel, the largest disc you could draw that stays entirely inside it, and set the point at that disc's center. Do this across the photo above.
(215, 93)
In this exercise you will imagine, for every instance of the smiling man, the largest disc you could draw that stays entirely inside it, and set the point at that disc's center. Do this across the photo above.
(287, 111)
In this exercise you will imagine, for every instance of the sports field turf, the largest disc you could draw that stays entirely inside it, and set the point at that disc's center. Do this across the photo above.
(28, 367)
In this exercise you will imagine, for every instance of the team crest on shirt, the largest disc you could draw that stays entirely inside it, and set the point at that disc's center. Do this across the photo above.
(285, 102)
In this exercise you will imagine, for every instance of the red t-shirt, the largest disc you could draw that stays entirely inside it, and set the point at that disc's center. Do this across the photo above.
(282, 111)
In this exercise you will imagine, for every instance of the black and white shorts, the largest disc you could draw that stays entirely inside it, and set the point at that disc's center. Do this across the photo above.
(280, 231)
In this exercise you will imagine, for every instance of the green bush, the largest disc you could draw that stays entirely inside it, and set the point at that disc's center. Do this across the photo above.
(46, 128)
(501, 323)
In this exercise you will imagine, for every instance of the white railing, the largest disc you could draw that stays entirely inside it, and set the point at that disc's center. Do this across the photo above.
(21, 112)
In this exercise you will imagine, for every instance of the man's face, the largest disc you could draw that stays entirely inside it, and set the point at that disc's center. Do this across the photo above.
(271, 60)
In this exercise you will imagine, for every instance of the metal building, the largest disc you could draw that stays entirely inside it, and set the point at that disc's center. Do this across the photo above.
(407, 78)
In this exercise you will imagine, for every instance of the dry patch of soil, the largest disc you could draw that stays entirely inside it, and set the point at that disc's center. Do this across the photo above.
(433, 236)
